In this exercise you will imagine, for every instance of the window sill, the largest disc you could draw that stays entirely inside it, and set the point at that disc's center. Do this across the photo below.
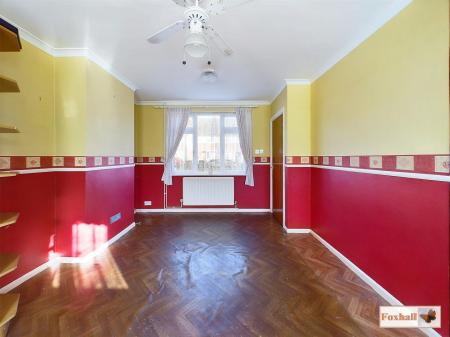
(215, 174)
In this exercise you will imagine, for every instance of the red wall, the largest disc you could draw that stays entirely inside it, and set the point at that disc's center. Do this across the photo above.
(69, 207)
(298, 197)
(85, 201)
(149, 187)
(31, 236)
(257, 196)
(395, 229)
(109, 192)
(60, 209)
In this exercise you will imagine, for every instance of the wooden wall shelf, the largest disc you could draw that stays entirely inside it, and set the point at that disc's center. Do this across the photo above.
(8, 85)
(8, 307)
(8, 263)
(8, 218)
(9, 42)
(8, 129)
(9, 37)
(7, 174)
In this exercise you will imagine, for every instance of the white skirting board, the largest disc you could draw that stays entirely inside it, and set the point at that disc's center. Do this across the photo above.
(366, 278)
(296, 230)
(99, 250)
(24, 278)
(57, 260)
(202, 210)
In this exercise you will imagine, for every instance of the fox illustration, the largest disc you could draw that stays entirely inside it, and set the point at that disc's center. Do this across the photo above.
(430, 316)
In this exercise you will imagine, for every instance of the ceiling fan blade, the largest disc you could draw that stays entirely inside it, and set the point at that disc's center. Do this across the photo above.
(217, 7)
(218, 40)
(166, 32)
(184, 3)
(234, 3)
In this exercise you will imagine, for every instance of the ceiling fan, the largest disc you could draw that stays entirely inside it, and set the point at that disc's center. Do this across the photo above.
(195, 21)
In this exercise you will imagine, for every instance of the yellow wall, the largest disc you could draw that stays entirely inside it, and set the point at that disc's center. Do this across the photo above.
(70, 105)
(295, 99)
(390, 94)
(298, 120)
(110, 114)
(261, 129)
(31, 110)
(66, 106)
(149, 129)
(279, 102)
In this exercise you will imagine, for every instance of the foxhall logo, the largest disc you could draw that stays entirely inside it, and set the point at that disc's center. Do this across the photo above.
(429, 316)
(410, 317)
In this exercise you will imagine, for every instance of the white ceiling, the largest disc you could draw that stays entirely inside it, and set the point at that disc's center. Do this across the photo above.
(272, 40)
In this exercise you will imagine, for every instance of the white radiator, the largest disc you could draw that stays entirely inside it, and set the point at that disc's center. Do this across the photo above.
(208, 191)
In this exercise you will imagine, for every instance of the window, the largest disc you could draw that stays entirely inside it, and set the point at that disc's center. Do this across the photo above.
(210, 145)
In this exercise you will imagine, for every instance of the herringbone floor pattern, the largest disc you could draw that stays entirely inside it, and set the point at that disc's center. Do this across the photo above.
(202, 275)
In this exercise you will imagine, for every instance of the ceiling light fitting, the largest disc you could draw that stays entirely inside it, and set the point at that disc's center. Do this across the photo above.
(196, 45)
(195, 22)
(209, 75)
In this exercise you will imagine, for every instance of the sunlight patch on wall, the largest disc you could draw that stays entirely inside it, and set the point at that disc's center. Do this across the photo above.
(86, 238)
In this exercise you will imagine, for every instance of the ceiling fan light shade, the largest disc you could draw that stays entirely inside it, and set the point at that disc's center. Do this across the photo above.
(196, 45)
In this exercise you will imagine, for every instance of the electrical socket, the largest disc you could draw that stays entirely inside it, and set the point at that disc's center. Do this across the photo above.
(115, 218)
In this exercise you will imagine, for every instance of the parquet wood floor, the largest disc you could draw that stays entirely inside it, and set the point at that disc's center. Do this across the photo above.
(186, 275)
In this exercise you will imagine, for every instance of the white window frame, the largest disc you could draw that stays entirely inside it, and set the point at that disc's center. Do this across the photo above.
(223, 130)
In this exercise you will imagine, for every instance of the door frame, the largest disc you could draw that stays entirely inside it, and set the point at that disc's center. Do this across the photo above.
(275, 116)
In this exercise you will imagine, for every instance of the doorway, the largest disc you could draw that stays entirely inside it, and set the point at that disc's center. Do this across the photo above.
(277, 166)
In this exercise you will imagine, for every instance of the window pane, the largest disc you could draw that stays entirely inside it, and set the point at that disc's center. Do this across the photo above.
(230, 122)
(210, 130)
(184, 157)
(190, 123)
(233, 155)
(208, 140)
